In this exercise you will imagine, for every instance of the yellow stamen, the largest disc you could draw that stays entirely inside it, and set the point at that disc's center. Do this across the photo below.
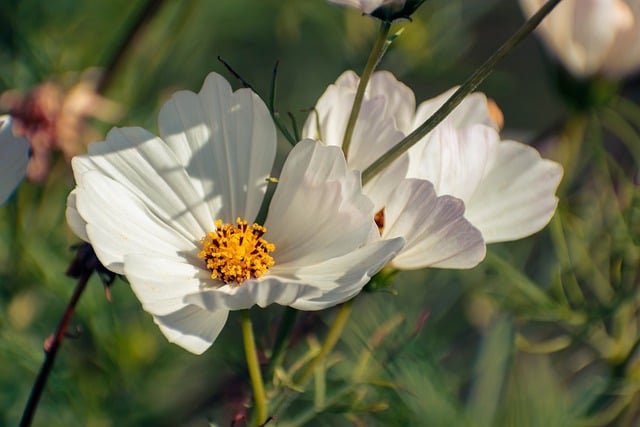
(236, 253)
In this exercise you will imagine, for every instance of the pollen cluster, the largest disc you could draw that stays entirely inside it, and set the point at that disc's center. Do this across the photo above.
(234, 254)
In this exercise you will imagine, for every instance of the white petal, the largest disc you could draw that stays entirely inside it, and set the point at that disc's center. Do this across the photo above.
(146, 166)
(366, 6)
(517, 195)
(373, 135)
(75, 221)
(318, 210)
(14, 156)
(591, 36)
(344, 277)
(162, 282)
(227, 142)
(328, 120)
(387, 109)
(119, 223)
(379, 189)
(192, 328)
(472, 110)
(436, 232)
(624, 56)
(263, 292)
(454, 160)
(400, 101)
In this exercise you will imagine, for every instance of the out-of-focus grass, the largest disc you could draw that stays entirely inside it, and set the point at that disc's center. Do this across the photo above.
(543, 333)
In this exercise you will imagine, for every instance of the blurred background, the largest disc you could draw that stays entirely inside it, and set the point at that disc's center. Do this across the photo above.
(543, 333)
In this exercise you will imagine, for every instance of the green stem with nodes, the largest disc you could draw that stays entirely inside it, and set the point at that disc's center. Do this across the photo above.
(374, 58)
(469, 86)
(254, 369)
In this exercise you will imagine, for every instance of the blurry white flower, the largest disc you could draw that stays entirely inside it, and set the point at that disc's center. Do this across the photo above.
(507, 189)
(175, 215)
(14, 156)
(592, 36)
(386, 10)
(368, 6)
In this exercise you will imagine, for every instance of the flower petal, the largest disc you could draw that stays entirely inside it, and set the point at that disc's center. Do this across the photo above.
(436, 232)
(192, 328)
(387, 108)
(318, 210)
(161, 282)
(624, 56)
(75, 221)
(14, 156)
(227, 142)
(125, 227)
(471, 111)
(144, 164)
(263, 292)
(366, 6)
(591, 36)
(517, 195)
(344, 277)
(454, 160)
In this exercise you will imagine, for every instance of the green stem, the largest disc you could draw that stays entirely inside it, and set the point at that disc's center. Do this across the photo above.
(116, 55)
(329, 342)
(623, 130)
(469, 86)
(82, 267)
(374, 58)
(254, 369)
(569, 281)
(274, 112)
(285, 399)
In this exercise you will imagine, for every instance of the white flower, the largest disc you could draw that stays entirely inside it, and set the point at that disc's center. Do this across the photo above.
(368, 6)
(385, 10)
(148, 206)
(592, 36)
(507, 189)
(434, 227)
(14, 156)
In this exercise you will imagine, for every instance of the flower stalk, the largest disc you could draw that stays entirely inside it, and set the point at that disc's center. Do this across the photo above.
(375, 56)
(253, 365)
(469, 86)
(329, 343)
(82, 267)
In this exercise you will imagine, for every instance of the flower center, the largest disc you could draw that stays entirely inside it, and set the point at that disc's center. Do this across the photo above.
(236, 253)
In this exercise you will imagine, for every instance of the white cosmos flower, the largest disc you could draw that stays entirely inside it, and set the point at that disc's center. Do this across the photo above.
(14, 156)
(592, 36)
(146, 203)
(507, 189)
(434, 226)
